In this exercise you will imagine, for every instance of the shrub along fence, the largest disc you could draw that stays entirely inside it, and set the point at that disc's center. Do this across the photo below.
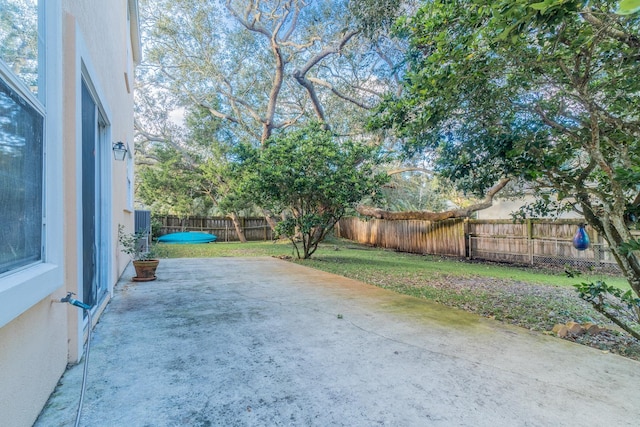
(530, 242)
(254, 228)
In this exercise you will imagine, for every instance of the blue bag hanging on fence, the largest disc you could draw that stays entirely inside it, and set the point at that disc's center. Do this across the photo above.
(581, 238)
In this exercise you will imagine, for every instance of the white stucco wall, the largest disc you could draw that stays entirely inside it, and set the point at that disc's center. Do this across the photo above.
(97, 47)
(33, 356)
(36, 346)
(97, 38)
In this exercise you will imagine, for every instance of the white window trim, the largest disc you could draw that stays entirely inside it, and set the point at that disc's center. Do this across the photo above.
(87, 72)
(23, 288)
(130, 180)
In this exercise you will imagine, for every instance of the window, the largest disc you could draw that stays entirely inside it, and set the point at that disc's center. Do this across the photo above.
(21, 137)
(19, 41)
(21, 164)
(31, 157)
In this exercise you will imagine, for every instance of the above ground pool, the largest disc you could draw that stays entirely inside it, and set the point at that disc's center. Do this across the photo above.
(188, 237)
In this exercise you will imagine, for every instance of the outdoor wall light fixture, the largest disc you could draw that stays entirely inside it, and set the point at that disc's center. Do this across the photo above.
(119, 150)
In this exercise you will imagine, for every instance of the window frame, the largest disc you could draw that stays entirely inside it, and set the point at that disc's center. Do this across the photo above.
(28, 98)
(22, 288)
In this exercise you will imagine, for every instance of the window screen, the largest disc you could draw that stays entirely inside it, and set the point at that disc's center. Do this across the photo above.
(21, 165)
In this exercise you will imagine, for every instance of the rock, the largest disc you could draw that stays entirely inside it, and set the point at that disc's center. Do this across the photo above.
(587, 325)
(575, 329)
(560, 330)
(593, 329)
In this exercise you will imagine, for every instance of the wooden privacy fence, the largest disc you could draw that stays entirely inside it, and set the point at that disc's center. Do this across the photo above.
(535, 242)
(424, 237)
(223, 228)
(530, 242)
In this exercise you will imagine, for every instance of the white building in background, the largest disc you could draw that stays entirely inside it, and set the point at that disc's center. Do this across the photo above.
(503, 208)
(66, 96)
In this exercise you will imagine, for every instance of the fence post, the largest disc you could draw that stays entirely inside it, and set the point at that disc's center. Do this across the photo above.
(529, 232)
(461, 241)
(466, 239)
(596, 247)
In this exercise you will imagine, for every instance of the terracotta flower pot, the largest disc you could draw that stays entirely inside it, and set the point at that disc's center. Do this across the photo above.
(145, 270)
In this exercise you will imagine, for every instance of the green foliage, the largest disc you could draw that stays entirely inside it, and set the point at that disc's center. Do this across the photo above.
(542, 92)
(622, 307)
(375, 15)
(480, 90)
(599, 290)
(627, 248)
(244, 70)
(547, 204)
(248, 61)
(628, 7)
(311, 179)
(134, 245)
(169, 185)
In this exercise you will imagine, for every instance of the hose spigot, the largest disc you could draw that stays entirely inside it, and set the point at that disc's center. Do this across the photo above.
(75, 302)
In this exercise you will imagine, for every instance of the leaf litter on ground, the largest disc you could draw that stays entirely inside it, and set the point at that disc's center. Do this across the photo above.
(537, 307)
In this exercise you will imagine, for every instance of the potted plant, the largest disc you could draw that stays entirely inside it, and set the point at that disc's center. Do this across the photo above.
(143, 255)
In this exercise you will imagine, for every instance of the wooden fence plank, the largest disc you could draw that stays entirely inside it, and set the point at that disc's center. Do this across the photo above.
(255, 229)
(413, 236)
(530, 242)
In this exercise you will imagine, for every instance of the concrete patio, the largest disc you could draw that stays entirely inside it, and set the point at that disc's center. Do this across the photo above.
(264, 342)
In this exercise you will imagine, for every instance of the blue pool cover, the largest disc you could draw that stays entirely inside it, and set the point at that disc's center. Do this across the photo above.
(188, 237)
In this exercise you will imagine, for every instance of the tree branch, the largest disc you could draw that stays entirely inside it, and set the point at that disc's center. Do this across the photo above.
(628, 39)
(409, 169)
(313, 96)
(337, 47)
(246, 21)
(550, 122)
(435, 216)
(301, 74)
(339, 94)
(164, 140)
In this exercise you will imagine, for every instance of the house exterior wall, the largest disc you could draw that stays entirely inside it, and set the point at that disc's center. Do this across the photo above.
(92, 40)
(33, 356)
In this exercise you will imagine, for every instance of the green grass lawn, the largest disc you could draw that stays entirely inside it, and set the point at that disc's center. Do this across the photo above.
(365, 263)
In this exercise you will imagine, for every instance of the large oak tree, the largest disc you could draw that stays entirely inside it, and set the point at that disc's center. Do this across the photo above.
(256, 67)
(542, 92)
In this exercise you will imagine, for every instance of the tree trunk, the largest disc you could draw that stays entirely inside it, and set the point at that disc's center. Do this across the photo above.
(435, 216)
(268, 216)
(612, 227)
(238, 226)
